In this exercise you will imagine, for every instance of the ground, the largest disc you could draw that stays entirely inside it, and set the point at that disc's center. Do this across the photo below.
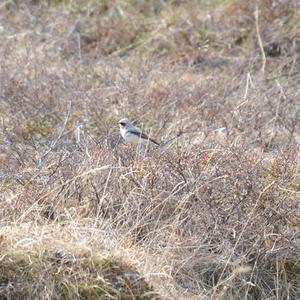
(213, 213)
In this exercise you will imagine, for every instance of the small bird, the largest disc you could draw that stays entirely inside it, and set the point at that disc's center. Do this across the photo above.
(133, 134)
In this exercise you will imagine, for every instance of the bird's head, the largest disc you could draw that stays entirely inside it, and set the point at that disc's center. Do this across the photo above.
(123, 123)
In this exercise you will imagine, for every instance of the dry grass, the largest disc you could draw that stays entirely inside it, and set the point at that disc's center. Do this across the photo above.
(214, 214)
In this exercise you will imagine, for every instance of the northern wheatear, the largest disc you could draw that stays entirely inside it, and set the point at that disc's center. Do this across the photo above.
(133, 134)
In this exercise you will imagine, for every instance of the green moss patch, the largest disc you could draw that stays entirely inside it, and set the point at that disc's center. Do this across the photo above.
(58, 275)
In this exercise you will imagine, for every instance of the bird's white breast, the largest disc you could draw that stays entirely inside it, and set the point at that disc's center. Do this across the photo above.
(130, 137)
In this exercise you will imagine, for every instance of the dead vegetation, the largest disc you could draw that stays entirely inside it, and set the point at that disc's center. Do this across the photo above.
(214, 214)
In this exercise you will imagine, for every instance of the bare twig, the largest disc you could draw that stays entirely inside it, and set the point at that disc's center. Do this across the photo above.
(260, 43)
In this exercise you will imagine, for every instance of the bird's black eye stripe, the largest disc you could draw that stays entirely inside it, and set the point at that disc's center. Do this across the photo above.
(122, 123)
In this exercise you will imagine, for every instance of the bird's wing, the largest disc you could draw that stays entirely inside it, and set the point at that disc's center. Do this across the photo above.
(142, 135)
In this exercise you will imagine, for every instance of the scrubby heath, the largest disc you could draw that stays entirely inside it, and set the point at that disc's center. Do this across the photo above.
(214, 214)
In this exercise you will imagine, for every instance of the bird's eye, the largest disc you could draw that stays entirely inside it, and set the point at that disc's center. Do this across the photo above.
(122, 124)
